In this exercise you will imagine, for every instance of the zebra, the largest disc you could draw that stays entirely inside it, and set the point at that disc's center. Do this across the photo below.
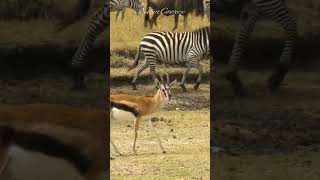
(173, 48)
(251, 11)
(98, 24)
(121, 5)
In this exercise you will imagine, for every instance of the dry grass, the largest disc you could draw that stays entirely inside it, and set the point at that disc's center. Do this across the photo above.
(185, 137)
(127, 34)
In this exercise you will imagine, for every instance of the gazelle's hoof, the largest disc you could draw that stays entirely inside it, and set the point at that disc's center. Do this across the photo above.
(196, 86)
(164, 152)
(184, 89)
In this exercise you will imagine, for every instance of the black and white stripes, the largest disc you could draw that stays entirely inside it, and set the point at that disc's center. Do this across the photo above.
(98, 24)
(173, 48)
(252, 10)
(119, 5)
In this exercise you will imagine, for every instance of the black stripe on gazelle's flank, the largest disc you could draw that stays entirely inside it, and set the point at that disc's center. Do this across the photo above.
(124, 108)
(46, 145)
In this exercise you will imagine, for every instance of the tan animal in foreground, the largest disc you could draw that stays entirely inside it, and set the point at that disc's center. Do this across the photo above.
(78, 136)
(126, 107)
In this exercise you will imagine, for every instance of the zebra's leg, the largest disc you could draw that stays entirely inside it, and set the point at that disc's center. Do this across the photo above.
(153, 73)
(199, 67)
(185, 73)
(248, 21)
(117, 15)
(97, 25)
(154, 20)
(176, 21)
(281, 15)
(141, 68)
(185, 20)
(122, 13)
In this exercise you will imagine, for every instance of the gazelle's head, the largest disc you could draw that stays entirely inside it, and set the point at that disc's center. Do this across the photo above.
(164, 87)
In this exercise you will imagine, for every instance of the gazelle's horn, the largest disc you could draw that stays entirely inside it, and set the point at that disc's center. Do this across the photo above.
(157, 82)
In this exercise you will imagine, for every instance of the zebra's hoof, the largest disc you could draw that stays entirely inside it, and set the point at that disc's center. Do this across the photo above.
(274, 84)
(196, 86)
(134, 87)
(237, 86)
(183, 87)
(276, 79)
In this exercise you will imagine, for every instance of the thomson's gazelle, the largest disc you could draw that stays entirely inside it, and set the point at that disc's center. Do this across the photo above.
(57, 133)
(138, 108)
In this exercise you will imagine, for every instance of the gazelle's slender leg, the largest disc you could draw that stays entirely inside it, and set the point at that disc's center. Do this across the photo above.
(113, 145)
(157, 135)
(136, 128)
(115, 148)
(4, 158)
(4, 163)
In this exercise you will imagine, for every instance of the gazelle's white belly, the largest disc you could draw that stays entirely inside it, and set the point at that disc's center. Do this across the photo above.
(28, 165)
(120, 114)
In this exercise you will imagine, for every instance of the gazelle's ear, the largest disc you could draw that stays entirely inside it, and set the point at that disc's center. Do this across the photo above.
(172, 83)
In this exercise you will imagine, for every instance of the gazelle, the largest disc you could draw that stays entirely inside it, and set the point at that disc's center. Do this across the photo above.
(139, 108)
(77, 136)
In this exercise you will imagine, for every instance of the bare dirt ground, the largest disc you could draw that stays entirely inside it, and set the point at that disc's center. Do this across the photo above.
(267, 135)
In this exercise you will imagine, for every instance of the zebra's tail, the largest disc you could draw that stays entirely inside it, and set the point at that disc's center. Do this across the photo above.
(136, 60)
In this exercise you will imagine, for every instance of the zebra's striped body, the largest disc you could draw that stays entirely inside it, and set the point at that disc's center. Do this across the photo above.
(118, 5)
(173, 48)
(98, 24)
(252, 10)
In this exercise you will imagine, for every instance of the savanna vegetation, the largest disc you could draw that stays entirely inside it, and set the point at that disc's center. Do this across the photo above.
(183, 125)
